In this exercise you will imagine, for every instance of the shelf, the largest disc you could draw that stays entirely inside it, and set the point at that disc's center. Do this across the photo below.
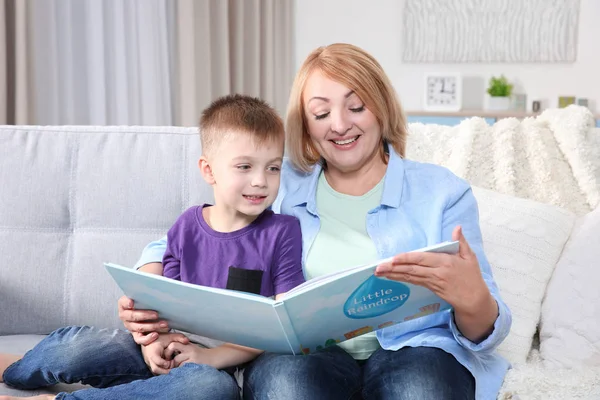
(476, 113)
(472, 113)
(449, 118)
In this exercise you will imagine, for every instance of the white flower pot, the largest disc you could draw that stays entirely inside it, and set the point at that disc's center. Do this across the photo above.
(495, 103)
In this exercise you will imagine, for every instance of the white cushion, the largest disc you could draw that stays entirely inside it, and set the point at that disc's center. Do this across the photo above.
(552, 158)
(523, 240)
(570, 330)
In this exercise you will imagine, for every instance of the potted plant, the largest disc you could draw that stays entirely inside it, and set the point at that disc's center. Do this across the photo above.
(499, 91)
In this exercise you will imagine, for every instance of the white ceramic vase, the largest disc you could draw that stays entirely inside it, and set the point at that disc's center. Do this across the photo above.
(497, 103)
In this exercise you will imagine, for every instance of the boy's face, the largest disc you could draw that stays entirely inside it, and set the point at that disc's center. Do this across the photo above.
(244, 175)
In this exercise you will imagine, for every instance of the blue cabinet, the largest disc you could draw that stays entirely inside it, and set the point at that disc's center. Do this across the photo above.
(443, 120)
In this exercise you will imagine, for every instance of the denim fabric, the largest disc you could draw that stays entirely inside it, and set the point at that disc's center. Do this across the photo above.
(111, 362)
(330, 374)
(418, 373)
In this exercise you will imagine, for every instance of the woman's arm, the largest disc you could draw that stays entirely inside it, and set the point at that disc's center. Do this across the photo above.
(481, 319)
(153, 253)
(476, 313)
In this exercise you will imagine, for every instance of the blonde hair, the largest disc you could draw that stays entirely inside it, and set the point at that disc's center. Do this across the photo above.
(239, 113)
(359, 71)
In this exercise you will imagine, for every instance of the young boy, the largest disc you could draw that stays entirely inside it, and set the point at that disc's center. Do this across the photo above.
(237, 243)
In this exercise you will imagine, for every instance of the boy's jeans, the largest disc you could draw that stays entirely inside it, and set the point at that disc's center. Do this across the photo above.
(111, 362)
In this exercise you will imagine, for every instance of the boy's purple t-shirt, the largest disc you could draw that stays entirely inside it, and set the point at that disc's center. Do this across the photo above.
(265, 257)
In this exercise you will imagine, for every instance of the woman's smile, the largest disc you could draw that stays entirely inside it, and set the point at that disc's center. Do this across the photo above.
(345, 144)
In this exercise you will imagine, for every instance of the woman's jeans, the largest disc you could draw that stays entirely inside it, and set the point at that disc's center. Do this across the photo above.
(418, 373)
(111, 362)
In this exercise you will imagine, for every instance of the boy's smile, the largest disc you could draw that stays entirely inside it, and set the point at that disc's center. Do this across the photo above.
(255, 199)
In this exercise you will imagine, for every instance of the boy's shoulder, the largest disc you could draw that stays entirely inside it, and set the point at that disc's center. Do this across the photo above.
(186, 219)
(191, 214)
(280, 221)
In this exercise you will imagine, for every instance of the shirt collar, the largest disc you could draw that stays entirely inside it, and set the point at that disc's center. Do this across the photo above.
(393, 182)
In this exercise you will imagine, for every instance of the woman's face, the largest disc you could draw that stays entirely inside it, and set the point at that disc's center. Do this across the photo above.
(344, 132)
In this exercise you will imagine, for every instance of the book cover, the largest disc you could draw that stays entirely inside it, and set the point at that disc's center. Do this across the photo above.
(321, 312)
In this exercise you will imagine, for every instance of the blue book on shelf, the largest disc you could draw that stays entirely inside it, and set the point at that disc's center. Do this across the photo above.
(321, 312)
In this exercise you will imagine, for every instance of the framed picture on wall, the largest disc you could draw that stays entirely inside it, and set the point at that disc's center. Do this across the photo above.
(443, 92)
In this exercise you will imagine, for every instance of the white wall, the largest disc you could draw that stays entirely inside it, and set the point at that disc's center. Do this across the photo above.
(376, 27)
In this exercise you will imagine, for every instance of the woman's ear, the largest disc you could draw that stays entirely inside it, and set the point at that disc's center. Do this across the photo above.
(206, 170)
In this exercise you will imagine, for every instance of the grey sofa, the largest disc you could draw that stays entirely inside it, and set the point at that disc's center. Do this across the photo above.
(72, 198)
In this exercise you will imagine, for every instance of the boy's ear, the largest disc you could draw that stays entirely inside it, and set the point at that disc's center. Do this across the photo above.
(206, 170)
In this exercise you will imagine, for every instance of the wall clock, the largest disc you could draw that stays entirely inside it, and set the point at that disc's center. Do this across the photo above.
(443, 92)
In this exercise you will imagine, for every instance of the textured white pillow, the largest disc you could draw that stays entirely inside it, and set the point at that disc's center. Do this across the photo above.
(523, 240)
(552, 158)
(570, 328)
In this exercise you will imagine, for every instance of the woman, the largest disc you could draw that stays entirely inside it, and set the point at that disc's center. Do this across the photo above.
(359, 200)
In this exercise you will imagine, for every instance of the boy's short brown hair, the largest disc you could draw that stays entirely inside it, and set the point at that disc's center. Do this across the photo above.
(237, 113)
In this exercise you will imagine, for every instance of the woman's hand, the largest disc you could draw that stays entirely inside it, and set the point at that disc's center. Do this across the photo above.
(144, 325)
(456, 278)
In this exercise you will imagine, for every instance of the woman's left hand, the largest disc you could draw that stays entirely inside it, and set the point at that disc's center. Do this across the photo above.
(456, 278)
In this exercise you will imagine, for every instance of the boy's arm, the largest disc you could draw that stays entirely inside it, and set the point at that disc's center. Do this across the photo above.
(224, 356)
(229, 355)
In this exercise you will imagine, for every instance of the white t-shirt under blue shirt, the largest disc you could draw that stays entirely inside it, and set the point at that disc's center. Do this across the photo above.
(343, 242)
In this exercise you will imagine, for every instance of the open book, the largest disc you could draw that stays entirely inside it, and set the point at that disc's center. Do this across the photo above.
(322, 311)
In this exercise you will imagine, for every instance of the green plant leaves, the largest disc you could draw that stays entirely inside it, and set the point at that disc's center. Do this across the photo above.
(499, 87)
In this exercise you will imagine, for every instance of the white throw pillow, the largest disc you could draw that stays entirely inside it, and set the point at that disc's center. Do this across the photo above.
(552, 158)
(570, 325)
(523, 240)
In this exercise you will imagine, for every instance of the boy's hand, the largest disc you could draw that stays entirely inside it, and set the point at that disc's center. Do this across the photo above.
(181, 354)
(154, 358)
(154, 354)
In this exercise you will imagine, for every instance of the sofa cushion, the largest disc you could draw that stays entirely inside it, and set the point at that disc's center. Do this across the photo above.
(523, 240)
(78, 197)
(570, 325)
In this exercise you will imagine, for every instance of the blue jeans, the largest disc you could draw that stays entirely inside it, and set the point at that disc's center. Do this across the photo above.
(111, 362)
(410, 373)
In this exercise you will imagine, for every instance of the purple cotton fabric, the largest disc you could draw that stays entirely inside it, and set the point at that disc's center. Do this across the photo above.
(198, 254)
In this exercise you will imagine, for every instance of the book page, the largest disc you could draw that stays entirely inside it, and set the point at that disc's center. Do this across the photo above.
(341, 306)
